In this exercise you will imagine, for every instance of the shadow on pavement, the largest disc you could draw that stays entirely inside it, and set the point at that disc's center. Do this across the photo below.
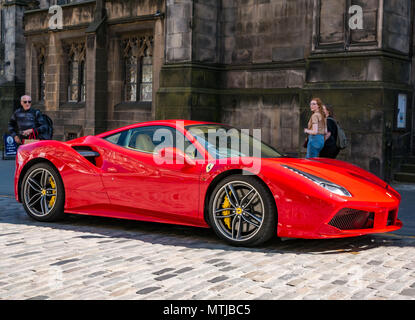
(111, 229)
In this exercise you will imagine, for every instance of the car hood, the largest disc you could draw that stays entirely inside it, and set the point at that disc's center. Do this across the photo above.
(359, 182)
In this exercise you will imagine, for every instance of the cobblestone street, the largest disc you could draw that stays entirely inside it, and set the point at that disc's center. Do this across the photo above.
(98, 258)
(258, 118)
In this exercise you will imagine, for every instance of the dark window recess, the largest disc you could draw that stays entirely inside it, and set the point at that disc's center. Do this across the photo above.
(71, 136)
(76, 72)
(41, 79)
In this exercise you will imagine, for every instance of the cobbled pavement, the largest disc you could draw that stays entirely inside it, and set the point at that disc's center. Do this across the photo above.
(90, 258)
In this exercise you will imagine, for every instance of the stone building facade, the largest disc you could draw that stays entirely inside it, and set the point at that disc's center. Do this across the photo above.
(101, 69)
(249, 63)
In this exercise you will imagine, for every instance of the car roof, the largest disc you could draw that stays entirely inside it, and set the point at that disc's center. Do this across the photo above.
(170, 122)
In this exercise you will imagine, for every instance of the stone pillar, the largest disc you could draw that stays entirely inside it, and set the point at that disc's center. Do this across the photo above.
(12, 67)
(158, 59)
(188, 83)
(179, 30)
(206, 31)
(53, 72)
(115, 81)
(96, 73)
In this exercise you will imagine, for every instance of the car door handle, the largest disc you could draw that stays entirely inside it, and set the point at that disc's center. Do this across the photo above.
(112, 170)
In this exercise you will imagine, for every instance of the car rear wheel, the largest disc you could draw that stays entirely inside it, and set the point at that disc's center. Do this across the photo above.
(43, 193)
(242, 211)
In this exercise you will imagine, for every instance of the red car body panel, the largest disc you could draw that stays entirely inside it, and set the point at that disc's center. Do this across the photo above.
(129, 184)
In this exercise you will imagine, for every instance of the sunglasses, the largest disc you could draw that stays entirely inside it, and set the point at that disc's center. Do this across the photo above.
(27, 102)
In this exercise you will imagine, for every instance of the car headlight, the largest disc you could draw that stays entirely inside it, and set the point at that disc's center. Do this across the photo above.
(328, 185)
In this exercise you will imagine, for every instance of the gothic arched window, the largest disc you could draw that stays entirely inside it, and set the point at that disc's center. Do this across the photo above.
(130, 76)
(138, 68)
(82, 80)
(76, 73)
(41, 78)
(146, 84)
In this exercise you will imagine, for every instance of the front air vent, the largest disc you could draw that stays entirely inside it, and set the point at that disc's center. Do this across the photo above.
(352, 219)
(87, 153)
(391, 217)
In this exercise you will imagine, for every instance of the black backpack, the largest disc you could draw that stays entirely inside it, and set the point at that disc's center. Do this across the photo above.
(49, 133)
(341, 142)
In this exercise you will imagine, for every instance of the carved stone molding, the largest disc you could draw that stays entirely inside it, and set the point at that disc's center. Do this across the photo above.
(140, 46)
(77, 50)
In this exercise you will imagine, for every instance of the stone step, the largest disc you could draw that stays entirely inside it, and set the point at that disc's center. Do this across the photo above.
(409, 168)
(405, 177)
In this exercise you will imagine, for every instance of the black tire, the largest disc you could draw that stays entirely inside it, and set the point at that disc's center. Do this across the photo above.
(42, 193)
(252, 216)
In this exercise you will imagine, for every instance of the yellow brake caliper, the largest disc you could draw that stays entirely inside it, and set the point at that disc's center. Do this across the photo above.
(53, 198)
(226, 204)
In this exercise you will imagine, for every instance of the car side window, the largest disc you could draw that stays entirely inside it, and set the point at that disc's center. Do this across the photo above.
(142, 139)
(190, 149)
(152, 138)
(116, 138)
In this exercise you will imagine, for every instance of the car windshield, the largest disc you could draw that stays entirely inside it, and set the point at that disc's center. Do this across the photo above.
(225, 142)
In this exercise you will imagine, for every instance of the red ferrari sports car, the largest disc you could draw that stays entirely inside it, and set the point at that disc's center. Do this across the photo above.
(176, 172)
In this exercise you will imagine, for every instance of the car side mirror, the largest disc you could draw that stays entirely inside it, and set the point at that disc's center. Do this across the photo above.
(171, 155)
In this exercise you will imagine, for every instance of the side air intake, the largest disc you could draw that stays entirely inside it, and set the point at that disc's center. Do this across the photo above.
(87, 153)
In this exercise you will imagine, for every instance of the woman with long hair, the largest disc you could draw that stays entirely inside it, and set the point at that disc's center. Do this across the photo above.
(317, 129)
(330, 149)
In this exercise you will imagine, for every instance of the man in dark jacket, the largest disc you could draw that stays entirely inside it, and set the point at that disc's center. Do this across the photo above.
(26, 122)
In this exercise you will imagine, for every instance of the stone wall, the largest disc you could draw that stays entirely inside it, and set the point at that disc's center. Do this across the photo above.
(397, 25)
(276, 115)
(179, 15)
(206, 31)
(265, 31)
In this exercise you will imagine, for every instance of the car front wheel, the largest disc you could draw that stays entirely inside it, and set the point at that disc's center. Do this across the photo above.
(242, 211)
